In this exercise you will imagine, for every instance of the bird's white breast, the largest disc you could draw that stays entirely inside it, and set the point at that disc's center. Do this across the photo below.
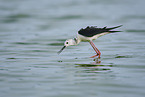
(84, 38)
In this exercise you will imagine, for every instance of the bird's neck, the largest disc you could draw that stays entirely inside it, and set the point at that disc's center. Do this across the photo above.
(77, 40)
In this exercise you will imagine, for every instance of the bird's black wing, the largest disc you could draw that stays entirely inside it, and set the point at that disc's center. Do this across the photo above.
(93, 30)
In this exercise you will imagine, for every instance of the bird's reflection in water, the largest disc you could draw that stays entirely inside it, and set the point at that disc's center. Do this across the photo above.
(96, 61)
(95, 66)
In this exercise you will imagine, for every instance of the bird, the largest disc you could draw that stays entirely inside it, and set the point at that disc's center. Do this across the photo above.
(89, 34)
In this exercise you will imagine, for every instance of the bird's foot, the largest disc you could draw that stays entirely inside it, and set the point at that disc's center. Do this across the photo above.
(95, 56)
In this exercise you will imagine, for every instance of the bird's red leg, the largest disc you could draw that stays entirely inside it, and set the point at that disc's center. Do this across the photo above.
(96, 50)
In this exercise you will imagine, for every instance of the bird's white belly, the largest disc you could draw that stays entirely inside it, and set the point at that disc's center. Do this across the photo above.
(84, 38)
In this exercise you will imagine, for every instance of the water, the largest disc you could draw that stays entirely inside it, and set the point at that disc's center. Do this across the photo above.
(31, 34)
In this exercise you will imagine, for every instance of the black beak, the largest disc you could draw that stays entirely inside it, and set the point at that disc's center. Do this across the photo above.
(61, 50)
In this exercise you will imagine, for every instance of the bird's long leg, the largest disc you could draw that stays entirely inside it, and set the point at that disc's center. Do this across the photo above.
(96, 50)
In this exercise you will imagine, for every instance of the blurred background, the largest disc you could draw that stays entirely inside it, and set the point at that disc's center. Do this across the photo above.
(32, 32)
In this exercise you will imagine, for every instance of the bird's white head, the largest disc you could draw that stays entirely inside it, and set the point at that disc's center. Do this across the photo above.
(69, 42)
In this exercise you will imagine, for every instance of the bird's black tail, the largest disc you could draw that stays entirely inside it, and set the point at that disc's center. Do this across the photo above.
(114, 31)
(113, 28)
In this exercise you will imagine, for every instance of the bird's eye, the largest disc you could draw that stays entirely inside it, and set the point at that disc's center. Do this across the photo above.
(66, 42)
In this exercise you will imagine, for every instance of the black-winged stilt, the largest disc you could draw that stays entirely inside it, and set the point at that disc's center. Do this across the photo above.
(87, 35)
